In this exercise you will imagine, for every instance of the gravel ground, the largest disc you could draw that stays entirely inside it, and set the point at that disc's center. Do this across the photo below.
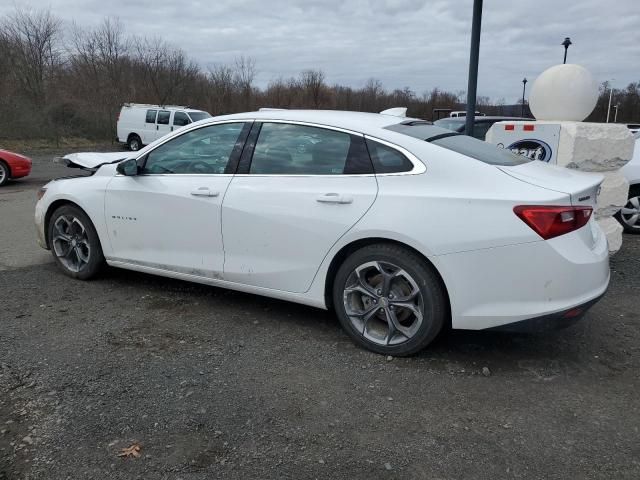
(217, 384)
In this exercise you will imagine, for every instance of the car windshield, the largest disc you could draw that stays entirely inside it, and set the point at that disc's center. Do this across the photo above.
(469, 146)
(195, 116)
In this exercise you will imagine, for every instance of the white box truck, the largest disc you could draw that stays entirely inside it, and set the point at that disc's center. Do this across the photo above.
(140, 124)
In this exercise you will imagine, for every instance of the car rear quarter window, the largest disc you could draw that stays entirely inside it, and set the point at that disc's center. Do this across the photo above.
(290, 149)
(386, 159)
(163, 117)
(151, 116)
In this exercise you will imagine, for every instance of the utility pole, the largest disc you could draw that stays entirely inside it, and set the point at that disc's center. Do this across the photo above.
(524, 85)
(474, 55)
(615, 117)
(610, 95)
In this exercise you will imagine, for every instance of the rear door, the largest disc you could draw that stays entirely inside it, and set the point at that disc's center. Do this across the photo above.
(298, 190)
(163, 125)
(149, 128)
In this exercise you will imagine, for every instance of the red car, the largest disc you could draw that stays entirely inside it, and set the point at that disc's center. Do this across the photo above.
(13, 165)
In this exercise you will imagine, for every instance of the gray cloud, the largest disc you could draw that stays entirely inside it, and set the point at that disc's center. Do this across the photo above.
(417, 43)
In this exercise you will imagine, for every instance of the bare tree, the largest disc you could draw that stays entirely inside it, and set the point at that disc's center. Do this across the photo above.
(245, 72)
(31, 42)
(312, 83)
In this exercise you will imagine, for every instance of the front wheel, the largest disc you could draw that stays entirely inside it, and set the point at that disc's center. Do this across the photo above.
(389, 300)
(4, 173)
(74, 243)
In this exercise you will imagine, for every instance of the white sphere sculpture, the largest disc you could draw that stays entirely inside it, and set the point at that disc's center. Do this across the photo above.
(563, 92)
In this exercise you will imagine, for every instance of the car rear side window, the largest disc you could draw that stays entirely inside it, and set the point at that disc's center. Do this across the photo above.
(180, 119)
(151, 116)
(163, 117)
(289, 149)
(483, 151)
(386, 159)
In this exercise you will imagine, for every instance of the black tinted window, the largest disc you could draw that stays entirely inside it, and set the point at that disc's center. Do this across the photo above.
(195, 116)
(151, 116)
(483, 151)
(180, 119)
(205, 150)
(163, 117)
(287, 149)
(386, 159)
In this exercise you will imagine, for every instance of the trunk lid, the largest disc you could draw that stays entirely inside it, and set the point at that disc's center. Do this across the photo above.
(582, 187)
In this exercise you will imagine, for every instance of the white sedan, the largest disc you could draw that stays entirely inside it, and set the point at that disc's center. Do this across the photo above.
(400, 227)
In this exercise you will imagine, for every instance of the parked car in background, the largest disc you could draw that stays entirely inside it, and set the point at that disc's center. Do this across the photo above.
(463, 113)
(12, 166)
(385, 219)
(629, 216)
(140, 124)
(480, 127)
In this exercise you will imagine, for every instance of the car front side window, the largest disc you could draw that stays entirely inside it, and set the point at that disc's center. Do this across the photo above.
(290, 149)
(207, 150)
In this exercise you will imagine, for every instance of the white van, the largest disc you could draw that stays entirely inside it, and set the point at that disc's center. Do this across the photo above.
(140, 124)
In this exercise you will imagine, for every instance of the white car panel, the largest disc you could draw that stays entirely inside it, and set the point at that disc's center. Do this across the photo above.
(167, 221)
(277, 229)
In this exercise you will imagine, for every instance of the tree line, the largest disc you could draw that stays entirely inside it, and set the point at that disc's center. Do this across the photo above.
(57, 81)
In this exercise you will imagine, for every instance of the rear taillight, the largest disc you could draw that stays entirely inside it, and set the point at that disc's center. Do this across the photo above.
(550, 221)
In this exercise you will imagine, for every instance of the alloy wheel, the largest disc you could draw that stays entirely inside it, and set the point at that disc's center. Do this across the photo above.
(630, 213)
(3, 174)
(71, 243)
(384, 303)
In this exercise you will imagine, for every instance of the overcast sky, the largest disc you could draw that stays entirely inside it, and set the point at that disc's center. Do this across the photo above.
(417, 43)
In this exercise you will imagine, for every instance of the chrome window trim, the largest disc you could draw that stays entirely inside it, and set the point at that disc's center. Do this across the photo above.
(418, 166)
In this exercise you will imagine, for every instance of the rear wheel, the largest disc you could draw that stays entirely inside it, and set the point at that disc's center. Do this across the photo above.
(389, 300)
(4, 173)
(629, 216)
(74, 243)
(134, 143)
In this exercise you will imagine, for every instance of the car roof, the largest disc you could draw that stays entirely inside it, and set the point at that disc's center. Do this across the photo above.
(362, 122)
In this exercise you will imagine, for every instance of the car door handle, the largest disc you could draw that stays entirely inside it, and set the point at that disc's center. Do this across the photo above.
(334, 198)
(204, 192)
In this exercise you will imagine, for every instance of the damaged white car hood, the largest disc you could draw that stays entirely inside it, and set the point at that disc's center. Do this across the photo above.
(91, 160)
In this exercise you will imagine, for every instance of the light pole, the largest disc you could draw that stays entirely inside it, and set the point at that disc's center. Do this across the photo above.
(610, 95)
(566, 43)
(615, 117)
(524, 85)
(476, 24)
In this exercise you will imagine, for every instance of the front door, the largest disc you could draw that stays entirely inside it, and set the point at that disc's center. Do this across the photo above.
(303, 189)
(168, 216)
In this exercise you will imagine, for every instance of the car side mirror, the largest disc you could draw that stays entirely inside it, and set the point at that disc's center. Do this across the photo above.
(128, 167)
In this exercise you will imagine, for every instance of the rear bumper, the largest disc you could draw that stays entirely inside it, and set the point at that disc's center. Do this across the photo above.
(554, 321)
(542, 280)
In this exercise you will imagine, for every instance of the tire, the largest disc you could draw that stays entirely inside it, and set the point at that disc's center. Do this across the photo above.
(399, 316)
(5, 173)
(74, 243)
(134, 143)
(629, 216)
